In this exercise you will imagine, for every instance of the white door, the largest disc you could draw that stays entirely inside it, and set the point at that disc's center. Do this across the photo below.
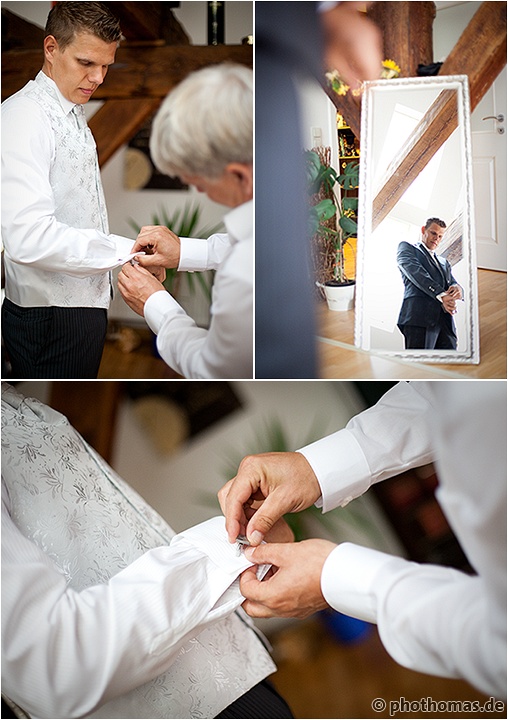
(489, 176)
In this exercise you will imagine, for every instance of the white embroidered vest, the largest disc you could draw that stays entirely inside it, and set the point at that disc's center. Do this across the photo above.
(78, 195)
(71, 504)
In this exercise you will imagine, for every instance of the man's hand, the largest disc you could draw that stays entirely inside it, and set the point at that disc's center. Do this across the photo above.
(353, 43)
(294, 589)
(136, 284)
(161, 245)
(158, 272)
(283, 482)
(455, 292)
(449, 304)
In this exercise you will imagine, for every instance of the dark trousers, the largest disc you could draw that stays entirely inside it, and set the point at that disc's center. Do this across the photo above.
(428, 338)
(262, 701)
(53, 342)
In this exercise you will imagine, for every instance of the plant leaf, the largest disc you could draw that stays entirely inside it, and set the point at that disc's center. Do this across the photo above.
(348, 225)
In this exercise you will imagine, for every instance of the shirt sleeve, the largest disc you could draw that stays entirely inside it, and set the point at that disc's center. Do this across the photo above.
(430, 619)
(387, 439)
(66, 652)
(198, 255)
(222, 351)
(31, 234)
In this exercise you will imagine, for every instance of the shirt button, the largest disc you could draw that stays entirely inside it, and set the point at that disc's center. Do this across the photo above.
(346, 501)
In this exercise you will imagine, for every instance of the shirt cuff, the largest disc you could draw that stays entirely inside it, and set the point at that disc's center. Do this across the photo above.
(349, 579)
(338, 487)
(157, 308)
(224, 564)
(193, 255)
(123, 245)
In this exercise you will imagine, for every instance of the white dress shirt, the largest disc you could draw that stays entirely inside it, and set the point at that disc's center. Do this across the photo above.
(58, 249)
(225, 349)
(105, 612)
(430, 618)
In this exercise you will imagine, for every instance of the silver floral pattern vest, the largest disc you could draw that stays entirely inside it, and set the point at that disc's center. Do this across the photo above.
(77, 191)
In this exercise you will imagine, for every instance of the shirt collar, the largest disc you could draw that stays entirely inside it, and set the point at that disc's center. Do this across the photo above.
(239, 221)
(43, 79)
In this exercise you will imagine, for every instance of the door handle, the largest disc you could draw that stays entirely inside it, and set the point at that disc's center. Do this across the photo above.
(498, 118)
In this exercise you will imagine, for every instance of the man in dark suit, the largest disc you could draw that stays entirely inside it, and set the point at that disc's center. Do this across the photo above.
(430, 292)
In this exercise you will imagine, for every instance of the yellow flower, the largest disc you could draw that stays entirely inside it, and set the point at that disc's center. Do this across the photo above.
(391, 65)
(390, 69)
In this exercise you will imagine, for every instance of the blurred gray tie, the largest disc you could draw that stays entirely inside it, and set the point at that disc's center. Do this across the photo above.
(79, 114)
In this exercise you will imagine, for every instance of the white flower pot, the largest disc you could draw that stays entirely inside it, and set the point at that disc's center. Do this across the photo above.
(340, 297)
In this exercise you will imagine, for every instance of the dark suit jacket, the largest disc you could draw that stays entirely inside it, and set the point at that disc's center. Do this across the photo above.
(423, 280)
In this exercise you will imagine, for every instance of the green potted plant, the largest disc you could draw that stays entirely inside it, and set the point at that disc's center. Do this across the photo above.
(332, 222)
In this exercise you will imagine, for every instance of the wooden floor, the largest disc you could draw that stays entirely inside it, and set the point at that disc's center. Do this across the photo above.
(322, 678)
(340, 359)
(338, 356)
(130, 354)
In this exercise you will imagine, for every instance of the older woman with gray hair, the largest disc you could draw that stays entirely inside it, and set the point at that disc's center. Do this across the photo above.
(203, 133)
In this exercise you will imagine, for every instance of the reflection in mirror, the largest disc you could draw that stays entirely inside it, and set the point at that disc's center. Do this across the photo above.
(415, 166)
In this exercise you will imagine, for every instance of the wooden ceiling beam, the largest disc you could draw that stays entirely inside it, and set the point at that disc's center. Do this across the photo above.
(480, 53)
(436, 126)
(117, 121)
(19, 33)
(137, 72)
(139, 21)
(406, 28)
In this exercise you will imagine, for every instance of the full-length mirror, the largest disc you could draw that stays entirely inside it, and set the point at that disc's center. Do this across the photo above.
(416, 266)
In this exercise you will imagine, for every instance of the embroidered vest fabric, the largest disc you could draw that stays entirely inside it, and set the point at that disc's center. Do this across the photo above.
(71, 504)
(78, 195)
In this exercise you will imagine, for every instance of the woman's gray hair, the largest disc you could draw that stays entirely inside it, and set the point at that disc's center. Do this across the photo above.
(205, 123)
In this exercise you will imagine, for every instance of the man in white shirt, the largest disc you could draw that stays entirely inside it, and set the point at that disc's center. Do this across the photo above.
(430, 618)
(203, 133)
(105, 612)
(430, 292)
(58, 250)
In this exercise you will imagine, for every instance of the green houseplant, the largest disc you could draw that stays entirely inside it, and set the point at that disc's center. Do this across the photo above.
(332, 221)
(184, 223)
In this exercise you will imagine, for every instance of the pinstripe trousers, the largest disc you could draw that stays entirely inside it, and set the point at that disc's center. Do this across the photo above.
(53, 342)
(261, 701)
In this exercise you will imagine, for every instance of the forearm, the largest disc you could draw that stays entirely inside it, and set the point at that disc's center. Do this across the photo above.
(67, 652)
(199, 255)
(377, 444)
(54, 247)
(431, 619)
(222, 351)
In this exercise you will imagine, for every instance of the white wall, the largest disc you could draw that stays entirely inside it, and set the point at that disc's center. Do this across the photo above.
(173, 484)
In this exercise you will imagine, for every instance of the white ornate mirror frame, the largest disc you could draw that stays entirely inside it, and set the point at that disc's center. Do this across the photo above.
(416, 163)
